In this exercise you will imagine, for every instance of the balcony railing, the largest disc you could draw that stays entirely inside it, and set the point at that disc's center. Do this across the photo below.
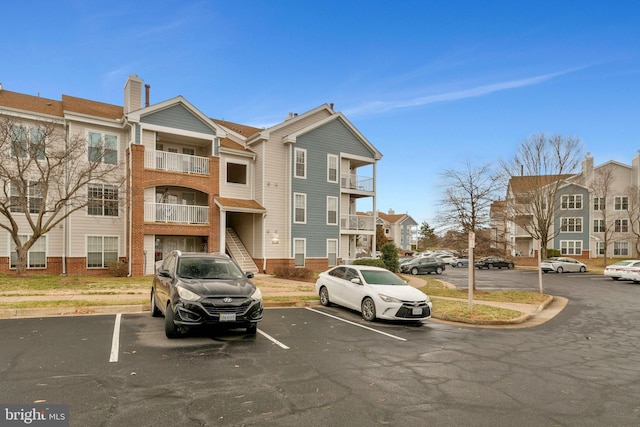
(355, 182)
(357, 222)
(175, 162)
(182, 214)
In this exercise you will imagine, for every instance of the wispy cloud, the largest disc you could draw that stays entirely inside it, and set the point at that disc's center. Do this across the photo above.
(378, 107)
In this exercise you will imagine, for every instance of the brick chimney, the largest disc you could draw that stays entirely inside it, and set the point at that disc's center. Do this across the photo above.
(132, 94)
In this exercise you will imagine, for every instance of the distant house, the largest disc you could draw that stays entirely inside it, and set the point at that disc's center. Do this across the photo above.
(398, 228)
(279, 196)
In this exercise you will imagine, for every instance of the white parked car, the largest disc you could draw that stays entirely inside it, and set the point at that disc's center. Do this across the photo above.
(632, 272)
(615, 270)
(563, 264)
(373, 291)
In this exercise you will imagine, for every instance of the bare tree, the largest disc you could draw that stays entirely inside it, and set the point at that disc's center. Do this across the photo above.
(535, 175)
(467, 199)
(633, 213)
(45, 175)
(604, 224)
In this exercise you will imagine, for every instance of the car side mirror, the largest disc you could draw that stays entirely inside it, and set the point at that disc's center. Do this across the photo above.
(164, 273)
(355, 280)
(248, 275)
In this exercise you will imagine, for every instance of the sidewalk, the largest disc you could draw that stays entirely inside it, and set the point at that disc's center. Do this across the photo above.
(137, 300)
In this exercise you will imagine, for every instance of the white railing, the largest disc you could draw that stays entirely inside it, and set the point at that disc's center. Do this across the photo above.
(184, 214)
(175, 162)
(357, 222)
(355, 182)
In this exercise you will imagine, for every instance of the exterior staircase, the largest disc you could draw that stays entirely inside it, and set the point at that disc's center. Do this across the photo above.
(238, 252)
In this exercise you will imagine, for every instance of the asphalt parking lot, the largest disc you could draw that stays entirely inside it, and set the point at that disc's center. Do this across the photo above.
(326, 366)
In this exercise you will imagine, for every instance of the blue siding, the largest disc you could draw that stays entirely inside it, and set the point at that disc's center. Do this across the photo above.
(583, 213)
(178, 117)
(332, 138)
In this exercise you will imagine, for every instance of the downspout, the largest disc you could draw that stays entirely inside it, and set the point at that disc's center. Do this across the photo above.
(375, 212)
(129, 231)
(65, 224)
(264, 215)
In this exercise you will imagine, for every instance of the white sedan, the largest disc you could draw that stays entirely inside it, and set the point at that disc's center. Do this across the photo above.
(616, 270)
(373, 291)
(632, 272)
(562, 264)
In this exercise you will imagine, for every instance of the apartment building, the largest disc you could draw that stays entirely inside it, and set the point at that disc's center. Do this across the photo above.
(595, 211)
(398, 228)
(286, 195)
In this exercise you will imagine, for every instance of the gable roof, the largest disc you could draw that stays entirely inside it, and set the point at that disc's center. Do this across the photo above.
(394, 218)
(92, 108)
(35, 104)
(519, 184)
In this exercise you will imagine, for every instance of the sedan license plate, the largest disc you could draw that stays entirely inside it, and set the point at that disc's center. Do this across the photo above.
(227, 317)
(416, 311)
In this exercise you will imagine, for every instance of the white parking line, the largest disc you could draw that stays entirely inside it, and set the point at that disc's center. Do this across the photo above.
(115, 341)
(273, 340)
(355, 324)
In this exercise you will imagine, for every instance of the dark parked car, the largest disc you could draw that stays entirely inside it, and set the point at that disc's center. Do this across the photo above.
(423, 265)
(199, 289)
(490, 262)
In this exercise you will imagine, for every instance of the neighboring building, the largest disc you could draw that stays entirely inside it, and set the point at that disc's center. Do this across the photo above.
(398, 228)
(592, 207)
(281, 196)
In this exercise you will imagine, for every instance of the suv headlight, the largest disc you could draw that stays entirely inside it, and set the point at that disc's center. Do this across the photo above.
(187, 295)
(257, 295)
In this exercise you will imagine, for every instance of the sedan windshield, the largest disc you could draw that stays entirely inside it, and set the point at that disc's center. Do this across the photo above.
(375, 277)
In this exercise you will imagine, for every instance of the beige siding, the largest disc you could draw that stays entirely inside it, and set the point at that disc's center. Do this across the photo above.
(233, 190)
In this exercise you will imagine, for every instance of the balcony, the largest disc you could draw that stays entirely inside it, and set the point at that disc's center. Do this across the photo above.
(172, 213)
(175, 162)
(356, 223)
(355, 182)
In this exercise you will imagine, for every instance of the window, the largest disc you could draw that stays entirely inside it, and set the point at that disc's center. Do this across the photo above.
(299, 252)
(301, 163)
(332, 252)
(27, 142)
(621, 226)
(103, 148)
(598, 226)
(598, 204)
(600, 248)
(101, 250)
(31, 199)
(620, 248)
(236, 173)
(332, 210)
(621, 203)
(36, 256)
(332, 168)
(571, 225)
(300, 208)
(103, 200)
(572, 201)
(571, 247)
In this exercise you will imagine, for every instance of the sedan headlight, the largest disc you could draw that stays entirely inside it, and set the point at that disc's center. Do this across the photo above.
(187, 295)
(386, 298)
(257, 295)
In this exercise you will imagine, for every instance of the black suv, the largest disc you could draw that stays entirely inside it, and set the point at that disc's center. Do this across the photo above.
(195, 289)
(490, 262)
(422, 265)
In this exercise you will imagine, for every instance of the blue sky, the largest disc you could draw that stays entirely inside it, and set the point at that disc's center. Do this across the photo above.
(430, 84)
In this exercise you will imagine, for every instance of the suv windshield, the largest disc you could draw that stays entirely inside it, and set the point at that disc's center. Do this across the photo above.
(208, 268)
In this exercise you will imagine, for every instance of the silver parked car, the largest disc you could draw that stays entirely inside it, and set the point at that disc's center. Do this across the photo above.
(563, 264)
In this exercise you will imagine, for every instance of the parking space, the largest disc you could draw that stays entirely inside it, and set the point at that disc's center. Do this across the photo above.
(322, 365)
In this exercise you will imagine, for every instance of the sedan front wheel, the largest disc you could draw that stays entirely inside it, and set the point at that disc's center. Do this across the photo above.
(559, 270)
(368, 308)
(324, 296)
